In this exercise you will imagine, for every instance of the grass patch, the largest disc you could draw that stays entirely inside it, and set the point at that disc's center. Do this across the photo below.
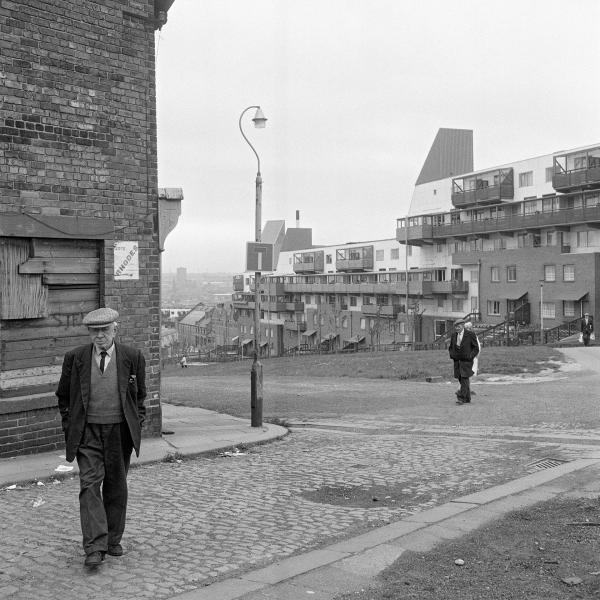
(399, 365)
(541, 553)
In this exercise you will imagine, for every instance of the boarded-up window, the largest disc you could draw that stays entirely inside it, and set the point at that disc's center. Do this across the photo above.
(47, 286)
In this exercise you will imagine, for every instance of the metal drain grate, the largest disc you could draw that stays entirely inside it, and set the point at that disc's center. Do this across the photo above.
(545, 463)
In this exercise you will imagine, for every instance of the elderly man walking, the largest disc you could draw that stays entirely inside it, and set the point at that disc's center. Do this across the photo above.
(101, 396)
(464, 347)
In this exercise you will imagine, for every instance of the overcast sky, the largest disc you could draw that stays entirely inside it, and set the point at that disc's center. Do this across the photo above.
(354, 92)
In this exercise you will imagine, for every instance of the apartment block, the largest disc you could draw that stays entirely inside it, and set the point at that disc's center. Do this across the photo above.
(513, 246)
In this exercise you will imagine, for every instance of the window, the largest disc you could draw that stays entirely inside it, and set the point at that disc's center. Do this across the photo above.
(439, 248)
(549, 238)
(583, 239)
(569, 308)
(549, 173)
(549, 272)
(440, 301)
(379, 254)
(402, 327)
(474, 303)
(526, 179)
(529, 208)
(494, 274)
(363, 324)
(500, 243)
(345, 322)
(328, 259)
(548, 310)
(568, 272)
(308, 299)
(511, 273)
(493, 307)
(353, 301)
(314, 319)
(440, 328)
(368, 300)
(474, 275)
(395, 254)
(321, 320)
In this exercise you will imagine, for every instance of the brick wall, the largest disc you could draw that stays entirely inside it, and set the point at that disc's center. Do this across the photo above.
(78, 130)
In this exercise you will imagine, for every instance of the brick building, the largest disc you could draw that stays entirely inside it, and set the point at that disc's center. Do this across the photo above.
(80, 223)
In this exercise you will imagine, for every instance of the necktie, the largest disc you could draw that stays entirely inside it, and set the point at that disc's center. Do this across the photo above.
(102, 357)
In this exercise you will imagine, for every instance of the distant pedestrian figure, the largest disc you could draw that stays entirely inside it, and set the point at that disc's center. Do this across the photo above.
(469, 327)
(101, 396)
(587, 329)
(464, 347)
(183, 362)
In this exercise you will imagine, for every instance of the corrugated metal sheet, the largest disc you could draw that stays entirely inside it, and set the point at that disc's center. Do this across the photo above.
(451, 154)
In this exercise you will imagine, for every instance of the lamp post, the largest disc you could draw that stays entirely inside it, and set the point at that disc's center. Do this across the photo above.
(541, 312)
(256, 375)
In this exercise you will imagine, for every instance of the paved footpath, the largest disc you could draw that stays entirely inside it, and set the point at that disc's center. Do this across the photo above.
(310, 514)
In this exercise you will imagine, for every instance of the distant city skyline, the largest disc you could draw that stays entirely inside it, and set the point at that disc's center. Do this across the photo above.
(354, 93)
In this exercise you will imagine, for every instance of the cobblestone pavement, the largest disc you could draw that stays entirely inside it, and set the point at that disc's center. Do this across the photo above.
(193, 522)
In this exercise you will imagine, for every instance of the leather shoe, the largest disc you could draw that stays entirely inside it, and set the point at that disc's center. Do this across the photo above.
(116, 550)
(460, 402)
(94, 559)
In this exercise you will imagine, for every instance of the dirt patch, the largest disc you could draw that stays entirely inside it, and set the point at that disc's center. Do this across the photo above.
(367, 497)
(549, 551)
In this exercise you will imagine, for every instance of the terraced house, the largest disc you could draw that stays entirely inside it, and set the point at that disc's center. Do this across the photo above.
(82, 221)
(514, 247)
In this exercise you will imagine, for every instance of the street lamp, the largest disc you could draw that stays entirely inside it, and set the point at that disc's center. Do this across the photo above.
(541, 311)
(256, 375)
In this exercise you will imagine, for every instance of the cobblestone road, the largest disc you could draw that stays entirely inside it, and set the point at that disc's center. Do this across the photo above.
(197, 521)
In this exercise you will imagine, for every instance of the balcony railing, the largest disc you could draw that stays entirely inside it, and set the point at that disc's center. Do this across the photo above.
(382, 310)
(290, 325)
(506, 223)
(358, 264)
(449, 287)
(577, 171)
(487, 195)
(309, 262)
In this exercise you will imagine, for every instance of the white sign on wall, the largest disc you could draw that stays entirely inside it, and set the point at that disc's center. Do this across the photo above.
(127, 264)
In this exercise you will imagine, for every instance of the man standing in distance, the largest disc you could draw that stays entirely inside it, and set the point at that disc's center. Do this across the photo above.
(101, 396)
(464, 347)
(587, 328)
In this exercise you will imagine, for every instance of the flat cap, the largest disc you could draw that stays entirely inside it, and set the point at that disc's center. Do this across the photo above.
(459, 322)
(101, 317)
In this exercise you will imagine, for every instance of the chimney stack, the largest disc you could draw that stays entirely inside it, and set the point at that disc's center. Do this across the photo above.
(297, 218)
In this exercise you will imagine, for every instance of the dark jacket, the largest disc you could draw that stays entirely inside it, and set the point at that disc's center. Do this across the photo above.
(464, 354)
(74, 392)
(587, 328)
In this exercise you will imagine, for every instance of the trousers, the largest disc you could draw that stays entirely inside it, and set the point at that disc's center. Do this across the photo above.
(103, 458)
(465, 389)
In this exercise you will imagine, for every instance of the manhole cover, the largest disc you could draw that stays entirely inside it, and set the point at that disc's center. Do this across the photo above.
(544, 463)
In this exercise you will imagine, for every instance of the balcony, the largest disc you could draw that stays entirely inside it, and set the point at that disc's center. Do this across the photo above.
(449, 287)
(354, 259)
(491, 187)
(309, 262)
(577, 171)
(508, 223)
(381, 310)
(282, 306)
(415, 235)
(290, 325)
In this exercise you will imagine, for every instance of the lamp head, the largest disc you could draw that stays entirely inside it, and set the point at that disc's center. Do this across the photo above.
(259, 119)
